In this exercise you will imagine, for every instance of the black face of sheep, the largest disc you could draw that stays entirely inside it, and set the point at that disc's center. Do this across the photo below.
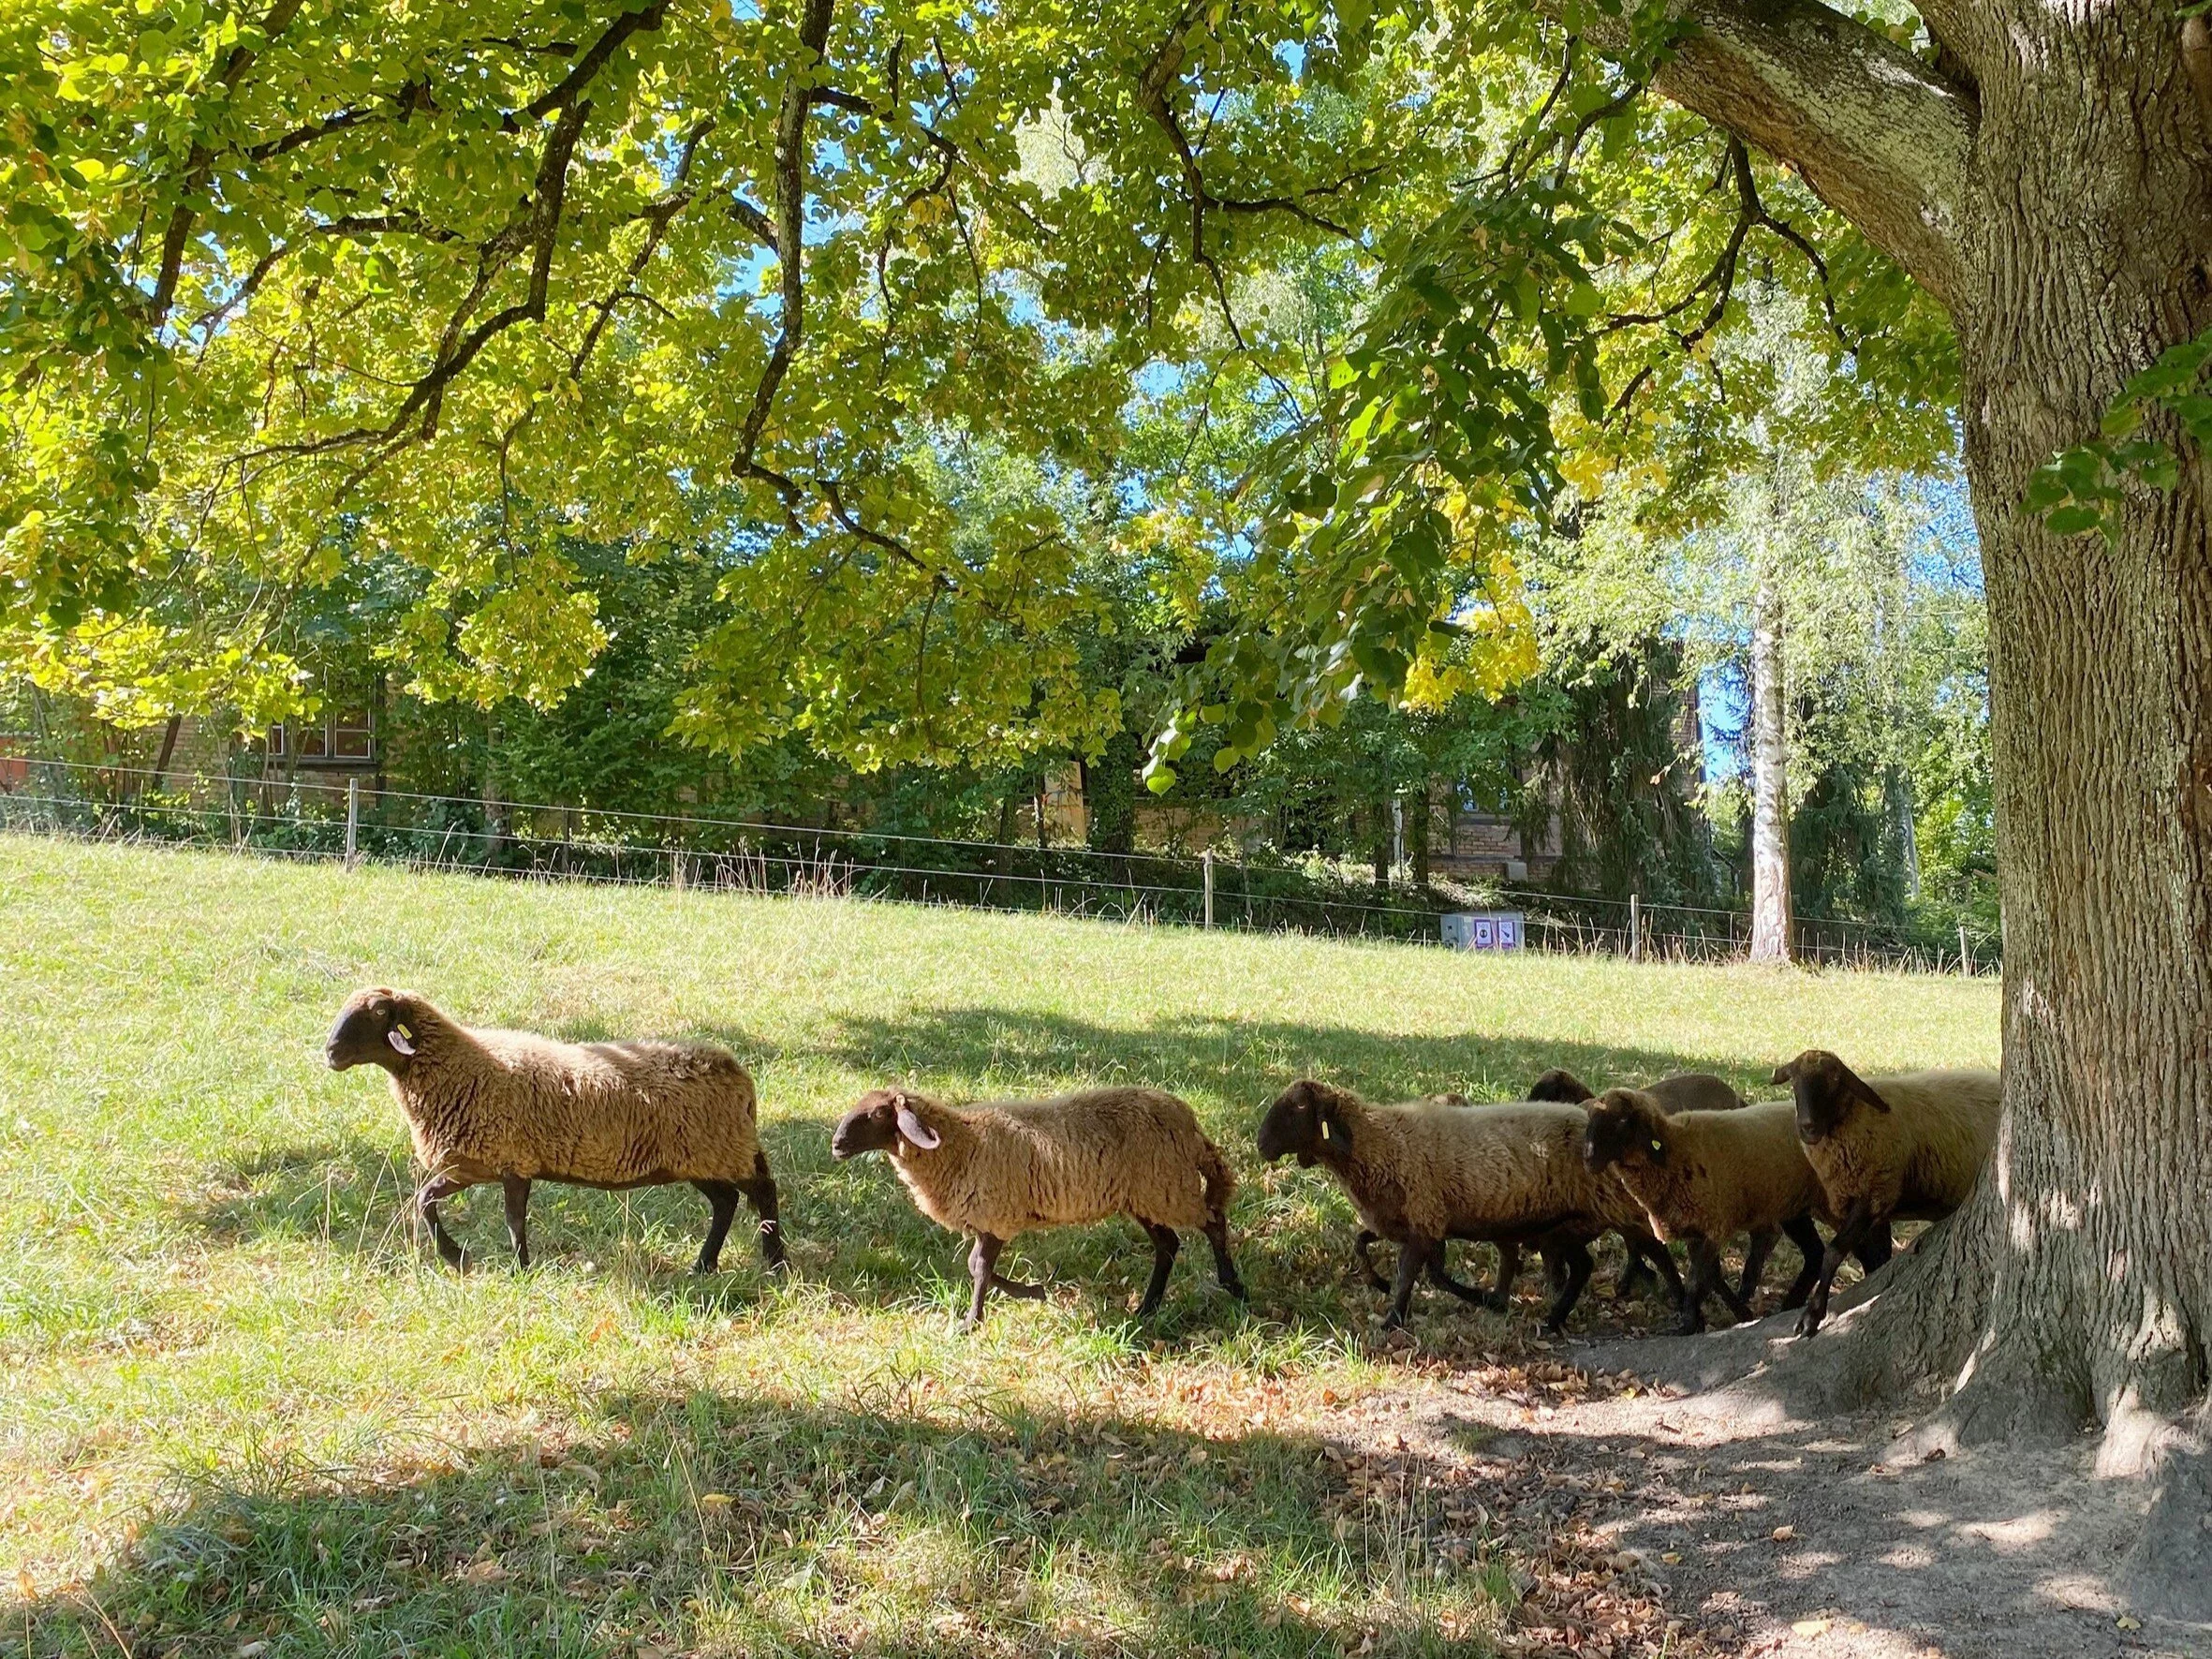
(1563, 1086)
(1303, 1118)
(376, 1027)
(1826, 1091)
(1625, 1127)
(877, 1122)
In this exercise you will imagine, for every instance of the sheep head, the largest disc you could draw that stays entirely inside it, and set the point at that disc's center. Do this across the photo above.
(1306, 1119)
(379, 1027)
(1561, 1086)
(1626, 1126)
(1826, 1091)
(878, 1121)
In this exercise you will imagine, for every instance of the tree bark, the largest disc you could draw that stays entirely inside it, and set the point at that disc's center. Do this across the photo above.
(1770, 781)
(2076, 1285)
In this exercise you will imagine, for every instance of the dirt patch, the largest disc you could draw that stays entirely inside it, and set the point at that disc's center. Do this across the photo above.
(1654, 1519)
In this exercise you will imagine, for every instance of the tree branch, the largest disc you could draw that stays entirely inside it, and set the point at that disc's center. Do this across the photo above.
(1880, 136)
(790, 225)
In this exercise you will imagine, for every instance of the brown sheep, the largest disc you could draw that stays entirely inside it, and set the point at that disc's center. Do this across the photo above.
(997, 1169)
(1424, 1172)
(1686, 1091)
(1887, 1149)
(515, 1107)
(1704, 1177)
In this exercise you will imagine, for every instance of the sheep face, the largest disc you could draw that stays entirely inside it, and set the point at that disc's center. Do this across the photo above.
(1827, 1090)
(1564, 1086)
(1626, 1127)
(878, 1121)
(1305, 1119)
(376, 1027)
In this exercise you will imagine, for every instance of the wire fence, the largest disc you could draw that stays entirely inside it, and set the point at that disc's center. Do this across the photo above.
(315, 816)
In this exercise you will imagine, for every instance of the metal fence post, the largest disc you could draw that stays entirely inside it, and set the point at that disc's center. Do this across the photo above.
(1206, 864)
(1636, 927)
(1965, 956)
(352, 822)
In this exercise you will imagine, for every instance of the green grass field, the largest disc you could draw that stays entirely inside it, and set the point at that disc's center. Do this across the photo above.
(242, 1412)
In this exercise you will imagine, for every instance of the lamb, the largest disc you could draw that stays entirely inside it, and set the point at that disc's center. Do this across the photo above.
(514, 1107)
(1686, 1091)
(1704, 1177)
(1887, 1149)
(999, 1168)
(1424, 1172)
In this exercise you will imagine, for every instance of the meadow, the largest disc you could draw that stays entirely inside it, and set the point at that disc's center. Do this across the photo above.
(243, 1412)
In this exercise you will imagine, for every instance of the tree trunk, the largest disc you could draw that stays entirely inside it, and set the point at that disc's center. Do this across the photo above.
(1770, 782)
(2076, 1285)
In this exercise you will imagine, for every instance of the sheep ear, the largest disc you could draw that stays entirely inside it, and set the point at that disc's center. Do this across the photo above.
(913, 1127)
(1864, 1090)
(1785, 1073)
(401, 1037)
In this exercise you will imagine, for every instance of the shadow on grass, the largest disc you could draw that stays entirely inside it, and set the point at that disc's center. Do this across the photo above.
(898, 1518)
(969, 1051)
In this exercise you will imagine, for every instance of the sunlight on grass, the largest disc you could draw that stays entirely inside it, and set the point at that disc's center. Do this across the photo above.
(240, 1404)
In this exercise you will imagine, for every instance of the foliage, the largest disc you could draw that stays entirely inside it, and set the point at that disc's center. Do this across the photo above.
(867, 314)
(2082, 488)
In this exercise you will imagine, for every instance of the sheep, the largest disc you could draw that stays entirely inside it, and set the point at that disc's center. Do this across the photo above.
(1423, 1172)
(1686, 1091)
(1704, 1177)
(997, 1168)
(1886, 1148)
(514, 1107)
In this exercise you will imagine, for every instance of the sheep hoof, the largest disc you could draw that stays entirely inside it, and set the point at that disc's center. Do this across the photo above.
(1808, 1322)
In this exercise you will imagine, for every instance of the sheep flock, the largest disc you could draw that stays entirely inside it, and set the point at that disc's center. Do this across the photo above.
(1680, 1161)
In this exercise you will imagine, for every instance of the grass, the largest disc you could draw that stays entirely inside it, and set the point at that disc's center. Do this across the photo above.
(242, 1412)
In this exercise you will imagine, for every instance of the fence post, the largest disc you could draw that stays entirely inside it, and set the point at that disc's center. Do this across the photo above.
(1206, 865)
(352, 823)
(1636, 927)
(1965, 956)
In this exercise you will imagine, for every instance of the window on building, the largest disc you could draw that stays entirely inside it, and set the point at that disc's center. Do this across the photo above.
(341, 734)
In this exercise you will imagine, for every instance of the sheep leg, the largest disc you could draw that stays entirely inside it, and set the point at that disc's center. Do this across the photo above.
(1362, 1241)
(1577, 1259)
(760, 1193)
(1443, 1281)
(1164, 1246)
(1705, 1256)
(1875, 1252)
(982, 1262)
(1508, 1268)
(1656, 1257)
(434, 1191)
(1634, 1271)
(1705, 1263)
(1413, 1254)
(1225, 1268)
(1858, 1221)
(1755, 1254)
(1807, 1237)
(518, 1216)
(723, 1196)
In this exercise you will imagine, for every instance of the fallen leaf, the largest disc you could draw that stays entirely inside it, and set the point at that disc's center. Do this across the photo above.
(714, 1500)
(1810, 1627)
(1673, 1557)
(247, 1650)
(484, 1572)
(1783, 1535)
(2128, 1622)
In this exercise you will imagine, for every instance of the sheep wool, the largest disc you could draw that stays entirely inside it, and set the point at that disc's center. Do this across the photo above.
(486, 1104)
(997, 1169)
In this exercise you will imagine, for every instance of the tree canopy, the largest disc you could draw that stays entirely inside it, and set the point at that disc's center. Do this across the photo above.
(915, 328)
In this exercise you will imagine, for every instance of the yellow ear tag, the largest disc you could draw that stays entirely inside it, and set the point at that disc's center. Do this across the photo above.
(1658, 1145)
(1324, 1129)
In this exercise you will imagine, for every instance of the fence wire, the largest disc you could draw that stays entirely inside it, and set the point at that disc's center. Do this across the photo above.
(320, 818)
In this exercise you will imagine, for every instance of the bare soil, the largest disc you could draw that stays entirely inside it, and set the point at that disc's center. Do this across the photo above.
(1657, 1516)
